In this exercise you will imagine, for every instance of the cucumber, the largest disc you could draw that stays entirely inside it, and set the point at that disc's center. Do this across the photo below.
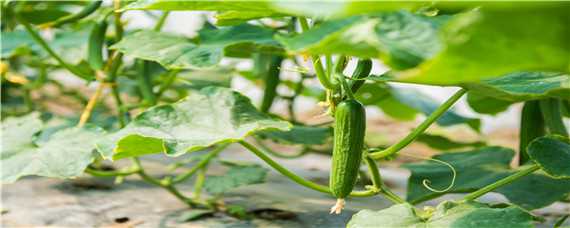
(531, 127)
(95, 46)
(86, 11)
(551, 109)
(349, 129)
(272, 80)
(363, 68)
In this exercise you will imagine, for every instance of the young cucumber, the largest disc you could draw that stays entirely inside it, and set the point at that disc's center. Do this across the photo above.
(531, 127)
(272, 81)
(86, 11)
(349, 128)
(95, 48)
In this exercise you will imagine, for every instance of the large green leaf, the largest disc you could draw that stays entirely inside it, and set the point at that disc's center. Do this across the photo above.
(199, 5)
(282, 7)
(305, 135)
(440, 142)
(240, 40)
(401, 38)
(238, 175)
(206, 117)
(478, 168)
(486, 104)
(488, 43)
(523, 86)
(176, 52)
(199, 79)
(64, 155)
(423, 103)
(170, 51)
(235, 17)
(405, 103)
(552, 153)
(446, 215)
(17, 133)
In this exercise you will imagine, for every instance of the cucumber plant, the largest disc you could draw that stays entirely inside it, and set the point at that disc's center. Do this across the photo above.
(172, 94)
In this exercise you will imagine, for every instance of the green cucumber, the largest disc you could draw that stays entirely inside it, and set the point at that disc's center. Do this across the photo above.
(551, 109)
(86, 11)
(531, 127)
(349, 129)
(363, 68)
(272, 80)
(95, 46)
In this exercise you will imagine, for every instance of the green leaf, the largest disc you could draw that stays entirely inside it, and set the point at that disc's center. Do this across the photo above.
(235, 177)
(199, 79)
(306, 8)
(552, 153)
(477, 46)
(204, 118)
(423, 103)
(447, 214)
(401, 39)
(137, 145)
(523, 86)
(193, 214)
(486, 104)
(240, 40)
(222, 5)
(478, 168)
(17, 133)
(171, 51)
(176, 52)
(236, 17)
(64, 155)
(404, 104)
(443, 143)
(305, 135)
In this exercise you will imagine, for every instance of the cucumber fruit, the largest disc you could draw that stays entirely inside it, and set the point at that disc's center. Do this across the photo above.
(349, 130)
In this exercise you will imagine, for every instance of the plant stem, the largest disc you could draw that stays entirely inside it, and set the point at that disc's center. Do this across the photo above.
(38, 39)
(199, 182)
(145, 83)
(377, 181)
(299, 87)
(373, 170)
(420, 128)
(28, 99)
(329, 65)
(476, 194)
(200, 165)
(117, 19)
(171, 77)
(277, 154)
(165, 183)
(100, 173)
(294, 177)
(319, 70)
(161, 21)
(112, 71)
(91, 105)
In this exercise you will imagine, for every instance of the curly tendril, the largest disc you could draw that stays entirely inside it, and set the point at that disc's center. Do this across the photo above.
(426, 183)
